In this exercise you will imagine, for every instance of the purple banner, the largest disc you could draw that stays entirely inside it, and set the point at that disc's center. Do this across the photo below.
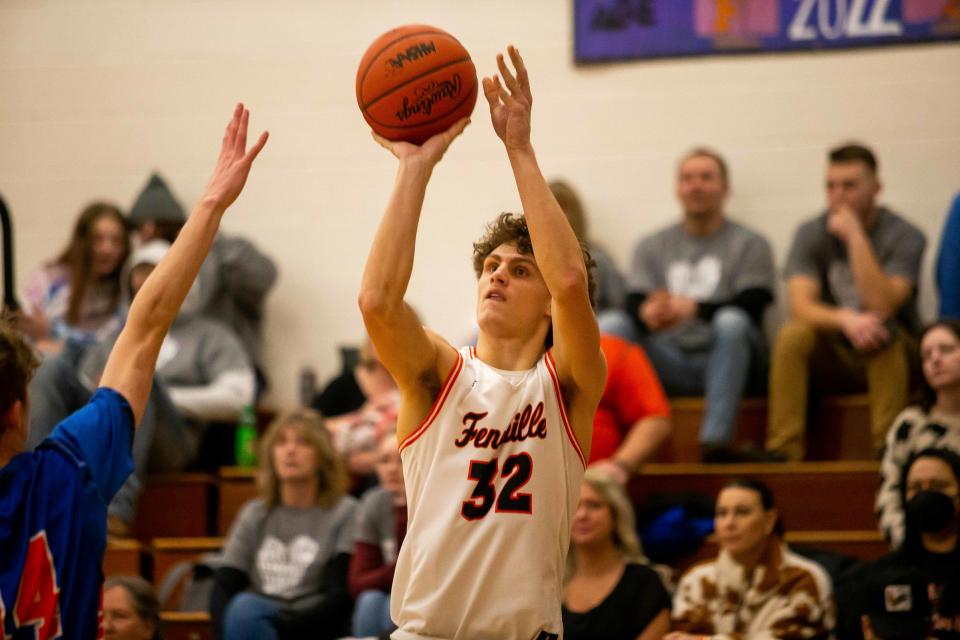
(622, 29)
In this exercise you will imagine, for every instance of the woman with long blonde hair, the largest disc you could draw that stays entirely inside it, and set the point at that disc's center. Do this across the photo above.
(610, 592)
(288, 552)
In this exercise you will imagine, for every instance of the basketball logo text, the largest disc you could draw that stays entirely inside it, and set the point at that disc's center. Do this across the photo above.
(428, 95)
(415, 52)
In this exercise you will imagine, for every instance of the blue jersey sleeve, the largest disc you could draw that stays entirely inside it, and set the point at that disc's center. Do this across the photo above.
(948, 264)
(101, 435)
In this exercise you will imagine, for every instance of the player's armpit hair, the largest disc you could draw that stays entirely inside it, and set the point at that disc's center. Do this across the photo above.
(17, 364)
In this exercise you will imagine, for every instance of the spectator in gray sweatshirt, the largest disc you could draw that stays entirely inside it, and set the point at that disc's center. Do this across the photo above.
(234, 279)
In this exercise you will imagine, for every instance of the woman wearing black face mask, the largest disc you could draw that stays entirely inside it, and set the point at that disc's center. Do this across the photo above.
(936, 424)
(931, 495)
(930, 489)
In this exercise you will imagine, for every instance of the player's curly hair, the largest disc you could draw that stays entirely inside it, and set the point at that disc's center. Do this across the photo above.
(17, 364)
(511, 227)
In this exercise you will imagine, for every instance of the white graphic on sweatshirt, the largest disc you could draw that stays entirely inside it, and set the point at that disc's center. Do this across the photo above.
(697, 280)
(283, 566)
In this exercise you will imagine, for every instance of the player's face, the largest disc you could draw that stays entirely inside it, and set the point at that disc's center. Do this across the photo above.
(294, 457)
(389, 467)
(593, 520)
(940, 353)
(107, 245)
(853, 185)
(741, 523)
(120, 619)
(701, 187)
(511, 292)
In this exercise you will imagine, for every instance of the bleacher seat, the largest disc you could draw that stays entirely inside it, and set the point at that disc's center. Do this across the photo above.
(123, 558)
(176, 505)
(178, 625)
(839, 428)
(237, 485)
(811, 496)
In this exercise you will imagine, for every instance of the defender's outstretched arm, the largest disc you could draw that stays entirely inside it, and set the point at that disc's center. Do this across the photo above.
(129, 370)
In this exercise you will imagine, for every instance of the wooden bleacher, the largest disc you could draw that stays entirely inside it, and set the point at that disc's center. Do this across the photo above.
(839, 428)
(801, 488)
(176, 505)
(865, 545)
(810, 495)
(179, 625)
(123, 558)
(237, 485)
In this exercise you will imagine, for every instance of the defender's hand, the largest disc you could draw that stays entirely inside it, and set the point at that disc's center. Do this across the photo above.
(233, 165)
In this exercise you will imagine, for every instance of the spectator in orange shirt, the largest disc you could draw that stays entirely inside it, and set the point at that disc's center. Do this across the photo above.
(633, 418)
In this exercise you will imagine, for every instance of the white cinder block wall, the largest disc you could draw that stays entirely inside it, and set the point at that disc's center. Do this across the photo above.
(96, 95)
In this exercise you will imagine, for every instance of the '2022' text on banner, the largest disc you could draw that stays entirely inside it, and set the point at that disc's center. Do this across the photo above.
(623, 29)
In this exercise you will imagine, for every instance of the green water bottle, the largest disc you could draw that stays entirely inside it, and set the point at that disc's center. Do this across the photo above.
(246, 437)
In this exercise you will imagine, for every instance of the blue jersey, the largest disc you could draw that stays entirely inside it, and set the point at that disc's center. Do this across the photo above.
(53, 519)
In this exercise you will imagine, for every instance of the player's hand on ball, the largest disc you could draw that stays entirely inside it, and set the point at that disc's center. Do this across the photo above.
(233, 165)
(430, 152)
(510, 106)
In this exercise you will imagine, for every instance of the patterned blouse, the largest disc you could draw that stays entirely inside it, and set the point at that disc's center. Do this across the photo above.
(788, 596)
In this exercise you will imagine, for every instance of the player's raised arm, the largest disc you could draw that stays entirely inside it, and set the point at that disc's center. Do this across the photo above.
(557, 250)
(129, 370)
(405, 348)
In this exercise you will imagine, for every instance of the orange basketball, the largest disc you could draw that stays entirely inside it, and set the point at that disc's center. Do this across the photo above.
(415, 81)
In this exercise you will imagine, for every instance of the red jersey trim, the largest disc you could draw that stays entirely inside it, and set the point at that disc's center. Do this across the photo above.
(552, 369)
(437, 404)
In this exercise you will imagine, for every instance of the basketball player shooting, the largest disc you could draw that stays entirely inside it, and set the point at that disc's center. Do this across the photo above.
(494, 438)
(53, 502)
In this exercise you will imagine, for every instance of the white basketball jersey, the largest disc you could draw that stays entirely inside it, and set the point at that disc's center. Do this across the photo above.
(492, 478)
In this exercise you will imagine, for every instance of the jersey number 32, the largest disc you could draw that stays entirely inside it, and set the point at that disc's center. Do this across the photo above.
(516, 470)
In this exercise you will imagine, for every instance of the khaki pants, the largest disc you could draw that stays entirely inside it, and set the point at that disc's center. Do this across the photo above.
(803, 356)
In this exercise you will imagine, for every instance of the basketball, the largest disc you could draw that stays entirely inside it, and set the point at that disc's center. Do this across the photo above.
(414, 82)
